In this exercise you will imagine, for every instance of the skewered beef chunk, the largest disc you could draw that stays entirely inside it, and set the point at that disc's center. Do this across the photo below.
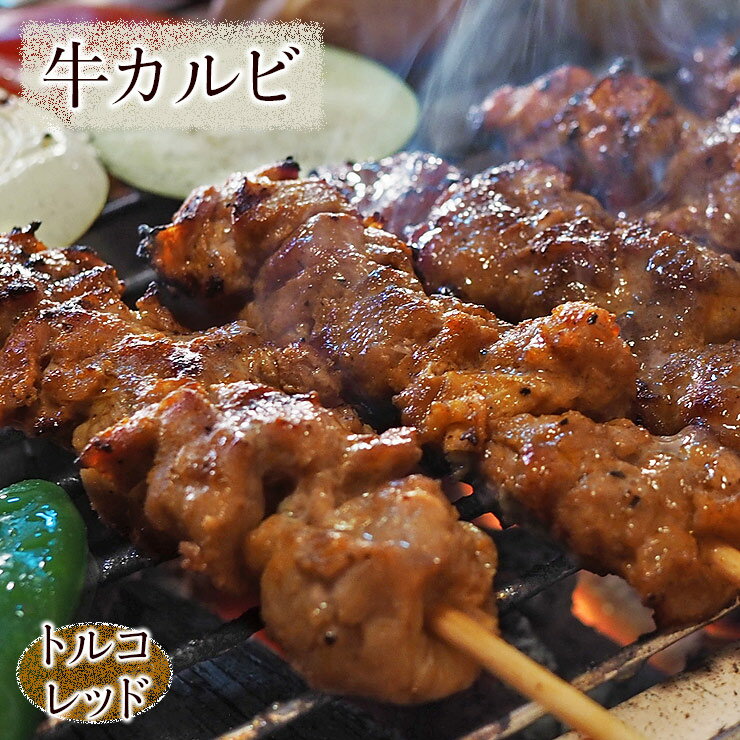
(201, 468)
(701, 192)
(220, 234)
(711, 79)
(615, 135)
(699, 386)
(626, 502)
(360, 581)
(520, 241)
(398, 190)
(525, 117)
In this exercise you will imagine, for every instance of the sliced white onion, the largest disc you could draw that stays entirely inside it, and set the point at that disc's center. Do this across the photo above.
(370, 112)
(47, 174)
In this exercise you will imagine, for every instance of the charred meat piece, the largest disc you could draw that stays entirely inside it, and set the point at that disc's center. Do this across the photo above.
(701, 192)
(76, 367)
(699, 386)
(360, 581)
(397, 191)
(500, 240)
(520, 241)
(202, 467)
(220, 235)
(626, 502)
(711, 80)
(615, 137)
(351, 294)
(29, 274)
(524, 118)
(622, 134)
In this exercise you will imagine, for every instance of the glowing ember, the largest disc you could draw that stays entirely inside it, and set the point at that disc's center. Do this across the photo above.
(487, 521)
(727, 629)
(612, 608)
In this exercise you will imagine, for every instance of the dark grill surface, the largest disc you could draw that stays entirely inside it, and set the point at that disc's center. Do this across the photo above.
(224, 676)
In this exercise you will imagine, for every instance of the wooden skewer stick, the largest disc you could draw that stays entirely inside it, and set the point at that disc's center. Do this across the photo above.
(528, 677)
(726, 560)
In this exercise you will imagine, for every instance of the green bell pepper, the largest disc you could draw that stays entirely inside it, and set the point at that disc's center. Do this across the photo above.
(43, 555)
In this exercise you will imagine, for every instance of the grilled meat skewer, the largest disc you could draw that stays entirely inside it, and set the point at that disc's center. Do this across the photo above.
(520, 241)
(360, 549)
(76, 358)
(711, 79)
(458, 374)
(396, 336)
(626, 501)
(363, 579)
(448, 366)
(182, 451)
(626, 141)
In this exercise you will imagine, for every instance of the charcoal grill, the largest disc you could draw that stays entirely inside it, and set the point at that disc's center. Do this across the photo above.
(227, 678)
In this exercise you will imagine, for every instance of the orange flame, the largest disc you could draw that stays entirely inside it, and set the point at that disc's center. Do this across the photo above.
(612, 608)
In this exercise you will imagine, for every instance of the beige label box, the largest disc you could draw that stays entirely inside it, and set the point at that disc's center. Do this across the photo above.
(179, 74)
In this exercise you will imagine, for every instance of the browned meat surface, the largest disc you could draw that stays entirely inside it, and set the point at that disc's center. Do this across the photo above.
(699, 386)
(623, 134)
(182, 453)
(29, 274)
(87, 362)
(711, 80)
(525, 117)
(202, 467)
(360, 581)
(702, 186)
(626, 502)
(500, 240)
(615, 136)
(76, 358)
(350, 293)
(520, 241)
(625, 141)
(455, 371)
(220, 235)
(397, 191)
